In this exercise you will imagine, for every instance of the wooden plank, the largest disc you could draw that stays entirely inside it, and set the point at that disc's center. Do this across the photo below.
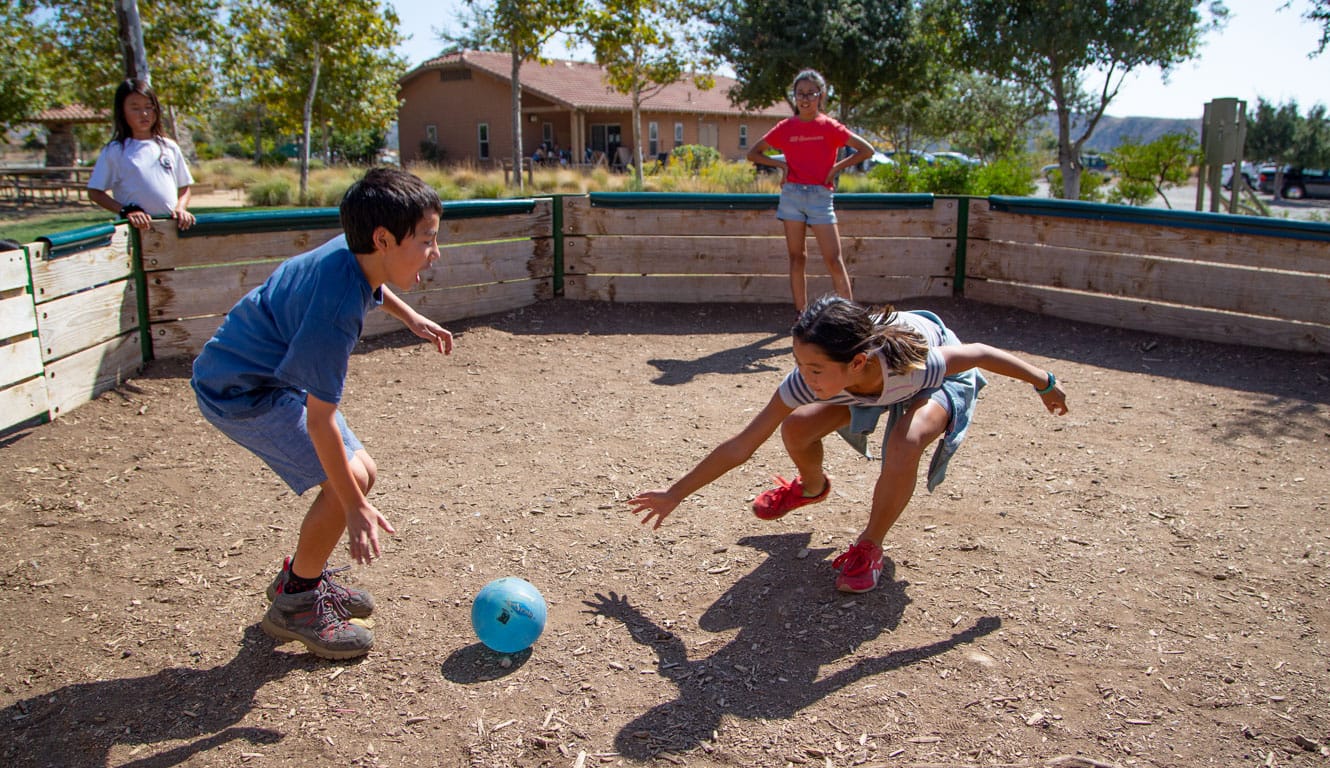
(1164, 319)
(78, 321)
(20, 360)
(177, 338)
(580, 218)
(63, 275)
(82, 376)
(1170, 242)
(742, 289)
(450, 304)
(22, 402)
(165, 249)
(13, 270)
(187, 337)
(214, 290)
(17, 316)
(1248, 291)
(751, 255)
(538, 223)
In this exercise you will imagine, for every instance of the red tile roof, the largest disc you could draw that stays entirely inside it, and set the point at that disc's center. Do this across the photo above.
(581, 85)
(74, 113)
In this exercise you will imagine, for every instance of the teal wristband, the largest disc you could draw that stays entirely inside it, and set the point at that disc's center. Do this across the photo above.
(1052, 382)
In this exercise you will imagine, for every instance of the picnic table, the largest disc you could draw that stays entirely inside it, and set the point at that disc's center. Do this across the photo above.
(44, 183)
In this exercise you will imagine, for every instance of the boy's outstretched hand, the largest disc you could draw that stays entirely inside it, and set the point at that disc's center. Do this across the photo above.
(434, 333)
(362, 533)
(657, 504)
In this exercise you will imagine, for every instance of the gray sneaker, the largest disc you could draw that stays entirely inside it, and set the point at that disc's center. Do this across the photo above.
(352, 603)
(312, 618)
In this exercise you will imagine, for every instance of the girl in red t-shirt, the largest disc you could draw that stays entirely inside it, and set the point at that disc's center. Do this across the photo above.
(810, 141)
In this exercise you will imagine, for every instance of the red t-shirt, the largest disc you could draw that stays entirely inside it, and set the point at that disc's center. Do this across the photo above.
(810, 147)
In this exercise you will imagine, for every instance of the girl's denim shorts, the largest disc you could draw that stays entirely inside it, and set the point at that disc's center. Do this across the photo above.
(280, 436)
(809, 203)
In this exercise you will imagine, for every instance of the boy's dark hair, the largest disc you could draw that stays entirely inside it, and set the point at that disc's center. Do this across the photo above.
(843, 329)
(385, 197)
(122, 130)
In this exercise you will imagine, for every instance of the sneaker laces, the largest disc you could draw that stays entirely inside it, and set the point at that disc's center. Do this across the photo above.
(858, 559)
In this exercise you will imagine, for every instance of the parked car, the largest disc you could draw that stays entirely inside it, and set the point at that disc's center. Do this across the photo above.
(1249, 174)
(956, 157)
(1265, 178)
(1298, 182)
(1093, 163)
(912, 157)
(878, 158)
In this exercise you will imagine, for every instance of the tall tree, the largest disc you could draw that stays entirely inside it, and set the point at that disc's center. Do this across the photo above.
(520, 27)
(1272, 135)
(869, 50)
(178, 38)
(644, 48)
(247, 58)
(331, 59)
(25, 86)
(1078, 53)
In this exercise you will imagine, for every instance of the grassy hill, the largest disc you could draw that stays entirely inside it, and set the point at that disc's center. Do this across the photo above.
(1111, 131)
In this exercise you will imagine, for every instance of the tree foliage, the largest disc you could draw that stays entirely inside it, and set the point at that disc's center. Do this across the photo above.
(1320, 14)
(178, 36)
(643, 48)
(521, 28)
(869, 50)
(1146, 170)
(313, 63)
(1077, 53)
(25, 87)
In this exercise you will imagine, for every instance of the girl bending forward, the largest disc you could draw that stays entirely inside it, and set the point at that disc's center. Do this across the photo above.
(852, 366)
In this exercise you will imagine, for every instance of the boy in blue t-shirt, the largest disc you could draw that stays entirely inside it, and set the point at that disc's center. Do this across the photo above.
(271, 379)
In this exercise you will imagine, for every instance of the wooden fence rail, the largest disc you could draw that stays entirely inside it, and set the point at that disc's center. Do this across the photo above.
(80, 312)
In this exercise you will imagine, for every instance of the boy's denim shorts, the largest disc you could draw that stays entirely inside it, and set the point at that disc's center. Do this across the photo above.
(810, 203)
(280, 436)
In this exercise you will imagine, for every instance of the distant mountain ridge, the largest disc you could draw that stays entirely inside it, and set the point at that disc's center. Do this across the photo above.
(1111, 131)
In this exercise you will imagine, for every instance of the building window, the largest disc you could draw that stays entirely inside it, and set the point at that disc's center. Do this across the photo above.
(483, 139)
(678, 134)
(743, 137)
(547, 134)
(653, 138)
(432, 133)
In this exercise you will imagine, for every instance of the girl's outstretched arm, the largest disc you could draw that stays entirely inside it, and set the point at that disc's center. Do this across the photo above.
(660, 503)
(962, 357)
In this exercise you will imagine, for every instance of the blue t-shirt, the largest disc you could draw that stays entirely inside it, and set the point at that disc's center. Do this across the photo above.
(294, 333)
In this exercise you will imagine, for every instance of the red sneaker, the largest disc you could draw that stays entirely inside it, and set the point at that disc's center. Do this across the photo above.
(787, 495)
(859, 567)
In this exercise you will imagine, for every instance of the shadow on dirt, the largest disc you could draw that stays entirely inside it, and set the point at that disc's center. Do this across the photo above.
(761, 673)
(477, 664)
(80, 724)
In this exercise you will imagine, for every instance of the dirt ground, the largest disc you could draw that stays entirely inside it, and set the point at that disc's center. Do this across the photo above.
(1143, 582)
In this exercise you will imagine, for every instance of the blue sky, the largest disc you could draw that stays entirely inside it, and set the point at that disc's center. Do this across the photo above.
(1263, 51)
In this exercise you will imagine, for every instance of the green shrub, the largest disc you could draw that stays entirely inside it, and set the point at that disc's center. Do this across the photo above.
(1004, 176)
(692, 158)
(270, 193)
(1092, 184)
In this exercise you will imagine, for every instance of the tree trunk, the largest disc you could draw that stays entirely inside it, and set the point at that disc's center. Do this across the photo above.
(305, 126)
(131, 40)
(516, 77)
(258, 133)
(637, 133)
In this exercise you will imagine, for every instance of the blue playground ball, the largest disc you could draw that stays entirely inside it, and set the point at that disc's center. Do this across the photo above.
(508, 614)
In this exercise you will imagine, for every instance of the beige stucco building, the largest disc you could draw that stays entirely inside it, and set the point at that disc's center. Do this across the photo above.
(461, 102)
